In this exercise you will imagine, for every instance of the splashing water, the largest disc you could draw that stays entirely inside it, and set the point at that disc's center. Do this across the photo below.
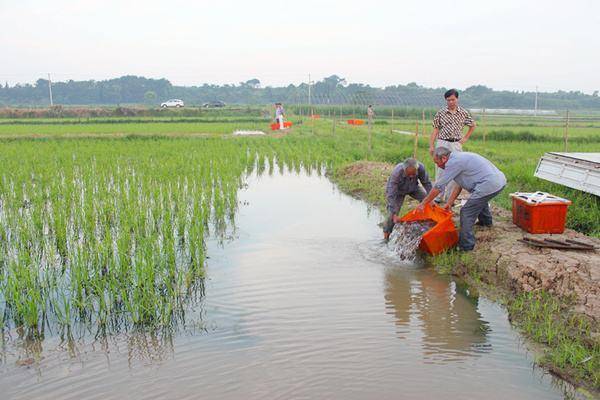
(406, 237)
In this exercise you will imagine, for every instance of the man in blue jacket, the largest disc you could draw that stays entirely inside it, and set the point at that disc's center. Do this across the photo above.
(404, 181)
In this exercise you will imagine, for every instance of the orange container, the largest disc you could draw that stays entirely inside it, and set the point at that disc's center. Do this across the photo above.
(355, 121)
(275, 125)
(539, 212)
(442, 236)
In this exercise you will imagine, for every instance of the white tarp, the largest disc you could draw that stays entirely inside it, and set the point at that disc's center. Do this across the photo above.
(248, 133)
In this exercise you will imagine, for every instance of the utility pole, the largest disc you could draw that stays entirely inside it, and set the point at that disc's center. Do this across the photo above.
(309, 103)
(535, 107)
(312, 120)
(50, 90)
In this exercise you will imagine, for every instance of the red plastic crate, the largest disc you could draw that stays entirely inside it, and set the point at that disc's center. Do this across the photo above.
(547, 216)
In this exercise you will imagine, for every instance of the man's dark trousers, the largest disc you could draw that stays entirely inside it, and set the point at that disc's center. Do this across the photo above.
(474, 209)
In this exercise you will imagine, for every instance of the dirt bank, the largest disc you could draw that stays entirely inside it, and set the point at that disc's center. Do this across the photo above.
(565, 273)
(568, 279)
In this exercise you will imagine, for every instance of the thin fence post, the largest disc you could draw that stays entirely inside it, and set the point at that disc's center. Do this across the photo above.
(567, 130)
(333, 123)
(416, 139)
(484, 126)
(370, 135)
(423, 127)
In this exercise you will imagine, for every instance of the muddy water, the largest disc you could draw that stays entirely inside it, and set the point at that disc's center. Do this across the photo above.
(303, 302)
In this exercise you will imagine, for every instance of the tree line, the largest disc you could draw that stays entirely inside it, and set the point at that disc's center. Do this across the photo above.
(130, 90)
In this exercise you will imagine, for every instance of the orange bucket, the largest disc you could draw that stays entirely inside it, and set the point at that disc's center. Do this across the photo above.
(442, 236)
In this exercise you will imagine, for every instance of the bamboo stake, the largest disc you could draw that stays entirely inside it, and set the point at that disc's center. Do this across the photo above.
(567, 130)
(416, 140)
(370, 135)
(484, 126)
(333, 124)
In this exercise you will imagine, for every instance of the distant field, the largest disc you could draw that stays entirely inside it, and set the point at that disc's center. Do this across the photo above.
(121, 128)
(503, 128)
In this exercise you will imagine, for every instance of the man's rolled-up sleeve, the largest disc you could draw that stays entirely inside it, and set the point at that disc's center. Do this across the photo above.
(469, 121)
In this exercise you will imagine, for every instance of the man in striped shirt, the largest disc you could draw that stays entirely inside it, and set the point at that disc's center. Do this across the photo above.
(448, 126)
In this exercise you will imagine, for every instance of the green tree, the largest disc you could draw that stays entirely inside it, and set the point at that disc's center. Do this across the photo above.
(150, 97)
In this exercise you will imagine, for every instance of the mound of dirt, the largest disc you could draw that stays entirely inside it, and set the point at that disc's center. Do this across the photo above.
(367, 169)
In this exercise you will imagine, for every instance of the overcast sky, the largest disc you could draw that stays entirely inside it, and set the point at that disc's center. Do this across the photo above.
(505, 44)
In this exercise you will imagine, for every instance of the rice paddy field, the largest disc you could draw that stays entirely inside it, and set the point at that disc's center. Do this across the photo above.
(109, 218)
(104, 223)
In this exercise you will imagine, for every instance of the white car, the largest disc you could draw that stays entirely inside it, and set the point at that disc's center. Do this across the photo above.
(172, 103)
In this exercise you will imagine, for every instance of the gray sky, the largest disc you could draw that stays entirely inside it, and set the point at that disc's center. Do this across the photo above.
(505, 44)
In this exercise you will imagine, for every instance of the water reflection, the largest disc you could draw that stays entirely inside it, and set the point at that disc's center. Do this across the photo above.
(452, 328)
(138, 347)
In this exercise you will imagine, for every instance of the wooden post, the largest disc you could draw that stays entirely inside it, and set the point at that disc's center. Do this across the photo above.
(333, 123)
(416, 140)
(567, 130)
(424, 125)
(484, 126)
(370, 135)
